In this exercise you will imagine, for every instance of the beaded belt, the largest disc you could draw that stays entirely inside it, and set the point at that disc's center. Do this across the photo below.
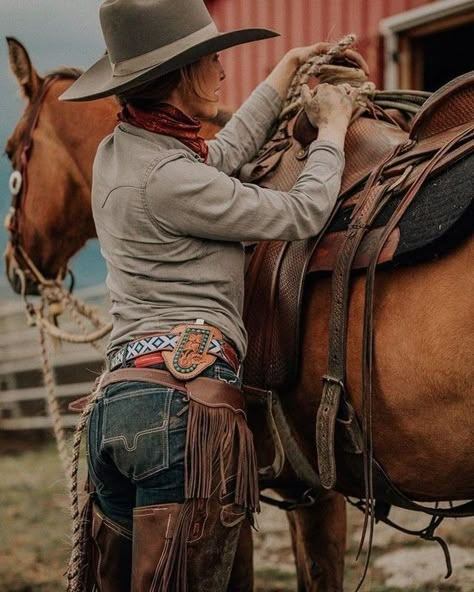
(140, 351)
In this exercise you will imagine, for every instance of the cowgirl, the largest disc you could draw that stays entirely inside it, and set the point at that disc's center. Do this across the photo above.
(169, 451)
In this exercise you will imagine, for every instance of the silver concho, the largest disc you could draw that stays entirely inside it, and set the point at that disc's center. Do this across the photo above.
(15, 182)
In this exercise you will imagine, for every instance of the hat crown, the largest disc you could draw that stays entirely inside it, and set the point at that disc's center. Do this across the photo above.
(135, 27)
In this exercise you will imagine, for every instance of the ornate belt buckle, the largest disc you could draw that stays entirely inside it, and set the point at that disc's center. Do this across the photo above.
(190, 355)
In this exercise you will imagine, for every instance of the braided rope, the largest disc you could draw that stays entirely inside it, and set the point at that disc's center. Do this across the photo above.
(78, 318)
(54, 331)
(53, 408)
(54, 294)
(75, 570)
(82, 308)
(310, 68)
(57, 295)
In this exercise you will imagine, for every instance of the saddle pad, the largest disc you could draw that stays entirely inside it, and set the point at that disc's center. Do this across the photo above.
(440, 217)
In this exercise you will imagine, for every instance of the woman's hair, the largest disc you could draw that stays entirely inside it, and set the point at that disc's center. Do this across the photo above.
(148, 96)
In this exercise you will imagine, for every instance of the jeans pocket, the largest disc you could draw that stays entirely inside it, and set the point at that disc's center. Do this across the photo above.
(135, 430)
(225, 373)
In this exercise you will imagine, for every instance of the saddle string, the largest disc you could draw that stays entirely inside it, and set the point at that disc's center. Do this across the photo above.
(426, 533)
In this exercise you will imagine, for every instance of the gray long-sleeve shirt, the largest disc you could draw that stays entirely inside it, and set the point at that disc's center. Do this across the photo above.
(171, 226)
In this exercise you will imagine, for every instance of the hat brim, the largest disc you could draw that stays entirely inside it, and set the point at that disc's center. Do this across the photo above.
(98, 81)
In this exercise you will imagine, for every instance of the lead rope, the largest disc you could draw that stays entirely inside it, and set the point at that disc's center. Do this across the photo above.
(57, 294)
(54, 299)
(77, 564)
(54, 409)
(58, 298)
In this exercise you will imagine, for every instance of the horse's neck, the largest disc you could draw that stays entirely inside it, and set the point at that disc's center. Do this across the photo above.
(80, 127)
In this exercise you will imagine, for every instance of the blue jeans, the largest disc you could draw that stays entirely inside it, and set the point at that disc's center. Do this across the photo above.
(136, 443)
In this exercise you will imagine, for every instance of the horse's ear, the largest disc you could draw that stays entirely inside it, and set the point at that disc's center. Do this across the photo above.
(23, 70)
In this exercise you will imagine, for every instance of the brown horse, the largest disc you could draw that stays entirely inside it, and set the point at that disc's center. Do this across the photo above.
(423, 339)
(69, 172)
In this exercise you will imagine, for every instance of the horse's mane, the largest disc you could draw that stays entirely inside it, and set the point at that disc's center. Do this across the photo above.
(66, 72)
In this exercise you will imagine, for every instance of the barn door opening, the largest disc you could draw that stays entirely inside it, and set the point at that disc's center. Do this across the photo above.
(435, 53)
(428, 46)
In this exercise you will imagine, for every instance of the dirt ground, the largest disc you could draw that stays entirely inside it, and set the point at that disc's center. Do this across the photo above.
(34, 539)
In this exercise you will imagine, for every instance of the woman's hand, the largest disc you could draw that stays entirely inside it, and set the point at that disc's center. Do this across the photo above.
(330, 109)
(283, 73)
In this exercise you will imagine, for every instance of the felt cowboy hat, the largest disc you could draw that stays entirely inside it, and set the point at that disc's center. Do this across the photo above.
(146, 39)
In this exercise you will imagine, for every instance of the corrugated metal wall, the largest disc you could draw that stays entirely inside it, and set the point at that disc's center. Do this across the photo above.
(300, 22)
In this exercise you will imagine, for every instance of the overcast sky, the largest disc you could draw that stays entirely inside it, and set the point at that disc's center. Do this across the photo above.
(55, 32)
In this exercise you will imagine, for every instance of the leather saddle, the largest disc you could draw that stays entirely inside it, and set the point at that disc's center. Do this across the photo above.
(277, 271)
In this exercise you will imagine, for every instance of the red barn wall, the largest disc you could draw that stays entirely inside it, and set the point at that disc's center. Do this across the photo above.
(300, 22)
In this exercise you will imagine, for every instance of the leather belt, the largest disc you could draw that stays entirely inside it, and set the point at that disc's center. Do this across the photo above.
(147, 349)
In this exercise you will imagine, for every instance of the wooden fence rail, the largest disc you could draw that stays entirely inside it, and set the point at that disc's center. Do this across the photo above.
(22, 393)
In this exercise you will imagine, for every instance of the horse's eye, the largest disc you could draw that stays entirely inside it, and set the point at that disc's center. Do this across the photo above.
(9, 151)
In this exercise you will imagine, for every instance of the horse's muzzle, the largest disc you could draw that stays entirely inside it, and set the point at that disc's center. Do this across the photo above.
(18, 280)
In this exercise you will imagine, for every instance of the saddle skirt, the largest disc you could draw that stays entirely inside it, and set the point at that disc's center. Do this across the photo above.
(436, 220)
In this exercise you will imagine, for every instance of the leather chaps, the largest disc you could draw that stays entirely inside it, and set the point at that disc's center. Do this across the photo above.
(174, 548)
(186, 547)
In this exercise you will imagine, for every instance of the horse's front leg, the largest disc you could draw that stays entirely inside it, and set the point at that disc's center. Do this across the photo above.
(318, 536)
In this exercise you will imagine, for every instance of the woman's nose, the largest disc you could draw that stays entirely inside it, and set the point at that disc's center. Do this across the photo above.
(222, 74)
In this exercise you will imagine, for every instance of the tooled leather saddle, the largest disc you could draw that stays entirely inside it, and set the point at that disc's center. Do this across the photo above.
(380, 155)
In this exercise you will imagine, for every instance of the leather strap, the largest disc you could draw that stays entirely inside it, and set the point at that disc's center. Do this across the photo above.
(266, 399)
(207, 391)
(334, 380)
(363, 215)
(465, 136)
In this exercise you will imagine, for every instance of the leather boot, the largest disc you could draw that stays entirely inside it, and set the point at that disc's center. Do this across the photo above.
(212, 544)
(153, 529)
(186, 547)
(111, 554)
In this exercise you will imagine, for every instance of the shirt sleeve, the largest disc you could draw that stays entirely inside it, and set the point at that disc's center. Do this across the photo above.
(194, 199)
(246, 132)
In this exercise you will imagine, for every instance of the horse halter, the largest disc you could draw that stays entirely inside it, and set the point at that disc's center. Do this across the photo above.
(26, 270)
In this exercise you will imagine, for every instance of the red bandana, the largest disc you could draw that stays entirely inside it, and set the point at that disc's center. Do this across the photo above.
(170, 121)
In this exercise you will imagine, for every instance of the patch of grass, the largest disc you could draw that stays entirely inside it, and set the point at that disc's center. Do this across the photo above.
(35, 534)
(274, 580)
(34, 517)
